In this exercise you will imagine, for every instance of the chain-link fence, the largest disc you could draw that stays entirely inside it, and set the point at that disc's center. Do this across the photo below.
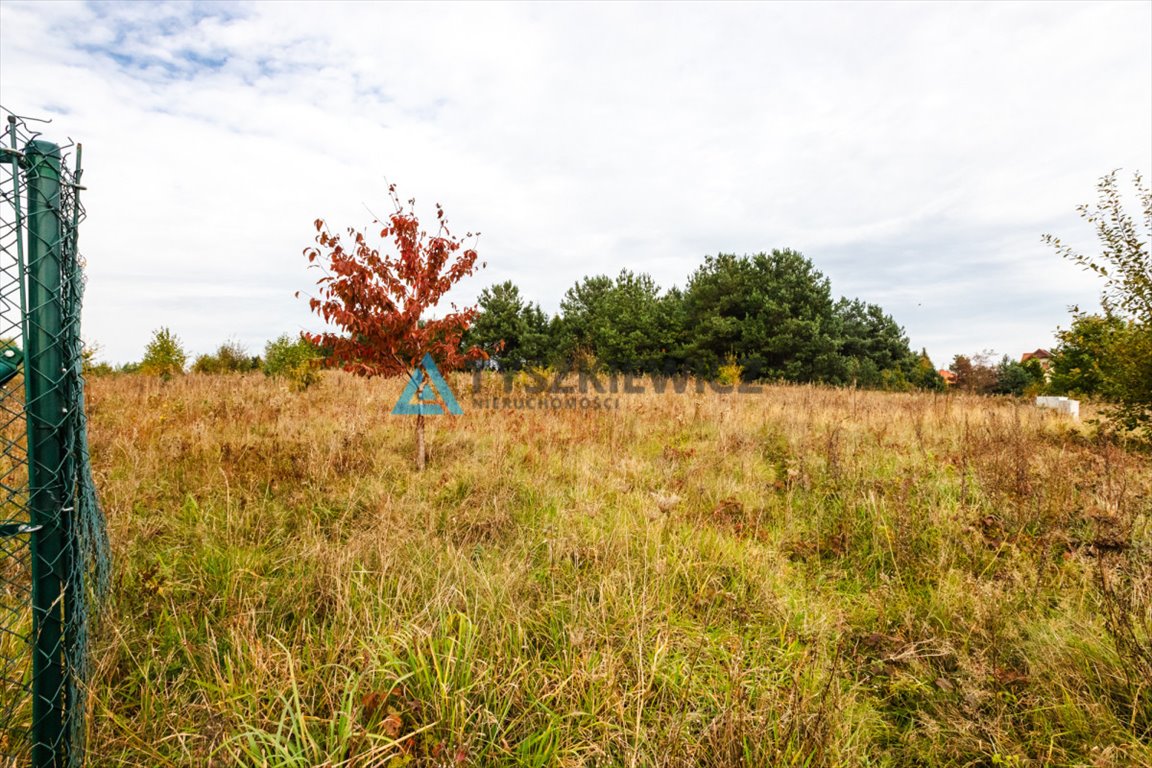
(53, 545)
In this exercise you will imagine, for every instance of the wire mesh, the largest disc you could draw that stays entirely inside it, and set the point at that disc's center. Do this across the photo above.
(53, 545)
(15, 552)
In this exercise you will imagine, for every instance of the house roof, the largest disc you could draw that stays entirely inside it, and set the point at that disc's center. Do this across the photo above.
(1040, 354)
(948, 376)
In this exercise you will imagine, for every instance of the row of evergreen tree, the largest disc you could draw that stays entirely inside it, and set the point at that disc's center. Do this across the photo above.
(771, 314)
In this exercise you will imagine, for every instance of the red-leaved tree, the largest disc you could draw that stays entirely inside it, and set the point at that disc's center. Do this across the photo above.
(378, 298)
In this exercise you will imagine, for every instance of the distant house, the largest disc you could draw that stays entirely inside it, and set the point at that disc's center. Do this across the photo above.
(1041, 356)
(948, 376)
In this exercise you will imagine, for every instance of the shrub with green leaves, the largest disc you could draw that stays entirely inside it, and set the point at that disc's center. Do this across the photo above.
(231, 357)
(293, 358)
(164, 356)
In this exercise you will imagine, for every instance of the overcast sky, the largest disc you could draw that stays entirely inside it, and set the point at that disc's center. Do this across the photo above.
(915, 152)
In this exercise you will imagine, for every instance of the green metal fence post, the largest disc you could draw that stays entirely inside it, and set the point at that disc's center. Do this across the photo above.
(46, 405)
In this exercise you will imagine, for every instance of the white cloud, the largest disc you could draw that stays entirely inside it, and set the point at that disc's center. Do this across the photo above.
(916, 152)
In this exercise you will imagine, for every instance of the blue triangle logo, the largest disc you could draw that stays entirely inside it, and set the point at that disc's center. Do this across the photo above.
(432, 398)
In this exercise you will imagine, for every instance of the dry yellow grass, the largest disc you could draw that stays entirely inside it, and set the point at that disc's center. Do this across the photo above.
(804, 576)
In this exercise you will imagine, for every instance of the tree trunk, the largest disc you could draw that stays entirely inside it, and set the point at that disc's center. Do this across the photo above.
(420, 455)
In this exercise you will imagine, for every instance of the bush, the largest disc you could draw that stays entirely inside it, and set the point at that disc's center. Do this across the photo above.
(164, 356)
(292, 358)
(231, 357)
(535, 378)
(894, 380)
(730, 373)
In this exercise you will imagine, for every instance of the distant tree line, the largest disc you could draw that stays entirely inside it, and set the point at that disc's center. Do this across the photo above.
(771, 314)
(981, 374)
(772, 317)
(289, 357)
(763, 317)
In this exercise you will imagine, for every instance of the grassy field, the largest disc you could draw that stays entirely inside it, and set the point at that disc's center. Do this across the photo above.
(804, 576)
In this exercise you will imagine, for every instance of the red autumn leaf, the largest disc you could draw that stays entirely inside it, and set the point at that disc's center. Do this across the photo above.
(392, 725)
